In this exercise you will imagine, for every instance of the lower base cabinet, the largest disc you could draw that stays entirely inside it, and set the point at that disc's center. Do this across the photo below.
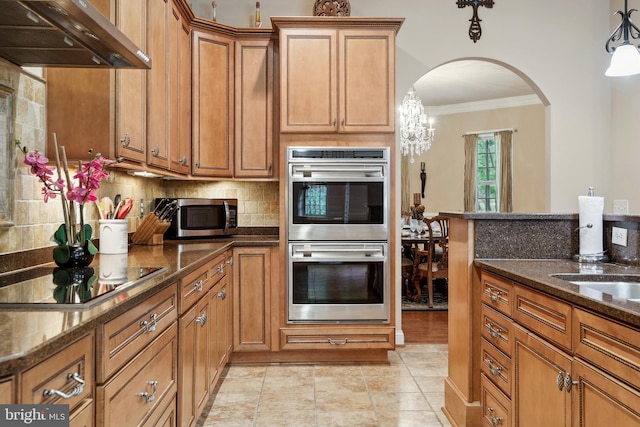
(141, 392)
(546, 362)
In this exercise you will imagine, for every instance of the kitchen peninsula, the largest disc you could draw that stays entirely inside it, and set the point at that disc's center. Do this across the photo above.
(523, 337)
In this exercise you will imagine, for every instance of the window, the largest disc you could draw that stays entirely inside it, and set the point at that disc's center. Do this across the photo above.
(487, 173)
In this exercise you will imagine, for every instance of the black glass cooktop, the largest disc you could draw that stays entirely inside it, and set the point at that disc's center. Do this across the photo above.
(72, 288)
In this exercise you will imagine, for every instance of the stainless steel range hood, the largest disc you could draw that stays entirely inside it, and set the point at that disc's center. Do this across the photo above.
(64, 33)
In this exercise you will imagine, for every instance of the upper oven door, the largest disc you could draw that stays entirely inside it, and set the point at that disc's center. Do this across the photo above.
(338, 201)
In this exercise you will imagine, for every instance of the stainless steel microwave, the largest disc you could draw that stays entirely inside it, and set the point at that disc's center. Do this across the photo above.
(201, 218)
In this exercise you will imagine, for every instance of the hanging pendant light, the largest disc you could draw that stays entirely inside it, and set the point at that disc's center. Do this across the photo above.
(415, 137)
(626, 58)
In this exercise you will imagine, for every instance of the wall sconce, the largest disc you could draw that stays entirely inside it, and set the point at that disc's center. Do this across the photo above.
(626, 58)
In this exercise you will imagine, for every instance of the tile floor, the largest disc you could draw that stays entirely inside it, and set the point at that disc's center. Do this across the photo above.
(407, 392)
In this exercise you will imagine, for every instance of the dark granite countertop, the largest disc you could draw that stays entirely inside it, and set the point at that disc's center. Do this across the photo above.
(538, 275)
(31, 335)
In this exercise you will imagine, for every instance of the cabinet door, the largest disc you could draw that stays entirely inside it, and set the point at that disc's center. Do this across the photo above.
(223, 327)
(600, 400)
(251, 299)
(131, 85)
(194, 337)
(180, 95)
(541, 398)
(367, 81)
(309, 85)
(254, 109)
(213, 96)
(161, 44)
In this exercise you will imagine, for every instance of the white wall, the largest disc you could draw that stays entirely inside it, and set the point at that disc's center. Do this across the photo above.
(559, 45)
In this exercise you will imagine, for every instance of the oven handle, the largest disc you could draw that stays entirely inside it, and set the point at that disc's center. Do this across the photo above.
(307, 251)
(308, 170)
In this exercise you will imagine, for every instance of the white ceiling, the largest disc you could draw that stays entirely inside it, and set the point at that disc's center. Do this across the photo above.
(468, 81)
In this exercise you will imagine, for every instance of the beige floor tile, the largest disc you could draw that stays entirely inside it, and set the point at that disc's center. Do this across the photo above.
(244, 371)
(346, 383)
(302, 385)
(229, 418)
(289, 371)
(234, 402)
(339, 400)
(389, 402)
(431, 384)
(337, 370)
(286, 419)
(347, 419)
(385, 370)
(399, 384)
(291, 401)
(241, 385)
(408, 419)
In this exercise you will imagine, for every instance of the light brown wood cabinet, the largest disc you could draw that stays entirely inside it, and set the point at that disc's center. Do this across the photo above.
(252, 298)
(7, 390)
(254, 81)
(108, 105)
(565, 366)
(337, 76)
(66, 377)
(213, 95)
(204, 329)
(169, 91)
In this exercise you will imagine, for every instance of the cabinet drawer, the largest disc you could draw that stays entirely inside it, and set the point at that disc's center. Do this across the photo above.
(496, 366)
(69, 372)
(83, 416)
(193, 286)
(345, 338)
(497, 329)
(125, 336)
(497, 292)
(145, 384)
(546, 316)
(496, 407)
(612, 347)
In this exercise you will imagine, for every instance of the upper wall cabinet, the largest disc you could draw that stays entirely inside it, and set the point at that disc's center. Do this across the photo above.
(169, 94)
(254, 109)
(337, 75)
(102, 109)
(233, 84)
(213, 92)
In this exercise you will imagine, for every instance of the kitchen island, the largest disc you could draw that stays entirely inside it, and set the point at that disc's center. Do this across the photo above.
(508, 314)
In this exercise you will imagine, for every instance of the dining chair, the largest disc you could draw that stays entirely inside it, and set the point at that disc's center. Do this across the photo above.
(432, 262)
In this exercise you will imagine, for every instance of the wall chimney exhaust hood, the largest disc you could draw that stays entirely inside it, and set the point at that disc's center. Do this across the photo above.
(64, 33)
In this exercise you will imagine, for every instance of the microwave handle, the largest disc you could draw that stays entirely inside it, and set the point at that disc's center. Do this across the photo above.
(227, 216)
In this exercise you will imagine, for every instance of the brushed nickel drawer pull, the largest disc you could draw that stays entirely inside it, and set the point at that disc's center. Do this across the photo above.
(494, 420)
(202, 319)
(77, 390)
(494, 296)
(223, 293)
(126, 140)
(494, 332)
(198, 285)
(337, 342)
(560, 380)
(151, 325)
(150, 397)
(492, 369)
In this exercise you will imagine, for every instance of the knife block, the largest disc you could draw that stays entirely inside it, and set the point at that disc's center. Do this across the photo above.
(150, 231)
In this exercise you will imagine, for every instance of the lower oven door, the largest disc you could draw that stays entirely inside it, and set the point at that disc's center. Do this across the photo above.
(338, 282)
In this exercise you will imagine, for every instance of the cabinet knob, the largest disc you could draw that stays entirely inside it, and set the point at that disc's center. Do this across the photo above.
(155, 151)
(334, 122)
(183, 161)
(202, 319)
(223, 293)
(126, 140)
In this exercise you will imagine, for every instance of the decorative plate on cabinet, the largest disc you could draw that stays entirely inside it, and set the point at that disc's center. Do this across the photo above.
(332, 8)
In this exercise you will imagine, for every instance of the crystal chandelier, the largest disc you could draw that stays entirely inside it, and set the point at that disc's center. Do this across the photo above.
(415, 137)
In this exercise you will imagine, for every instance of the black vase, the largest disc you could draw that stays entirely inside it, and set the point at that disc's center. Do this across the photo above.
(79, 256)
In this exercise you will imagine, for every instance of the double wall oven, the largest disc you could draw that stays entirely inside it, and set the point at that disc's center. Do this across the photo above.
(337, 234)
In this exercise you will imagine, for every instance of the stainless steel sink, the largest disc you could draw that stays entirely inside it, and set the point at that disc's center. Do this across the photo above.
(618, 285)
